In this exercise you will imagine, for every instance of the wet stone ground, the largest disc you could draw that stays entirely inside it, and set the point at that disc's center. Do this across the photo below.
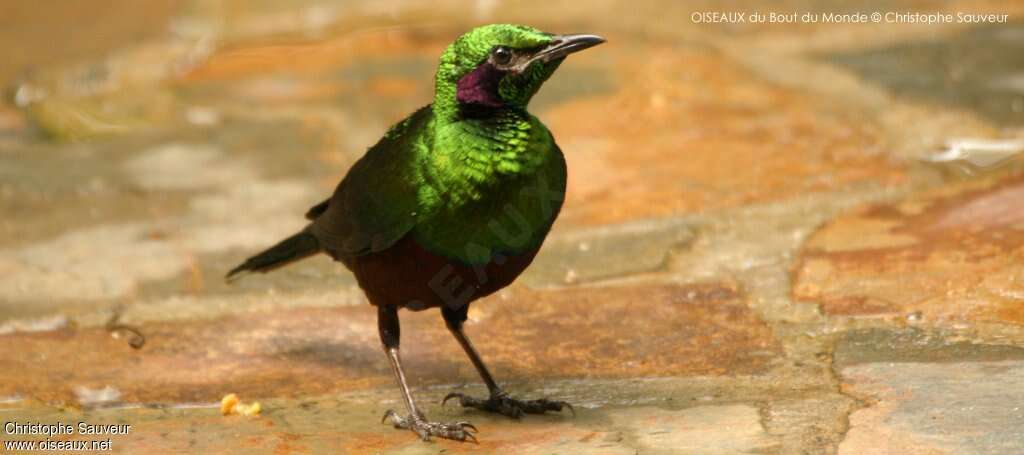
(759, 251)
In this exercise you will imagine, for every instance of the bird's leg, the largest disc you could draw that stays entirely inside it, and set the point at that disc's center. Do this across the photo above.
(387, 325)
(499, 401)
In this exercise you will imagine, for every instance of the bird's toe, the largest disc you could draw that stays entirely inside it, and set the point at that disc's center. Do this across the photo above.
(458, 431)
(501, 403)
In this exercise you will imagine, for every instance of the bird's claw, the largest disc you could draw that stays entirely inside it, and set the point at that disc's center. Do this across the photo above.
(458, 431)
(501, 403)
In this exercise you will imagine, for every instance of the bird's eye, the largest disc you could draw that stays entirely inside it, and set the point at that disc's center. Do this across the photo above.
(501, 55)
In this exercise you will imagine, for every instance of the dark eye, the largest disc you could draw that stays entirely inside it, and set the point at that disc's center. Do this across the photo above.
(501, 55)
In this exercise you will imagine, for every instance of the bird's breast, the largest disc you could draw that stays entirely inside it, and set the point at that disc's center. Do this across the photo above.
(508, 218)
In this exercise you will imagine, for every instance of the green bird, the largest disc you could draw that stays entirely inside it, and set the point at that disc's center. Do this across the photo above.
(451, 205)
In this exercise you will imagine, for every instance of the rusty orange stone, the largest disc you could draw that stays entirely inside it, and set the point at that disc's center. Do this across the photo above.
(955, 253)
(611, 332)
(312, 57)
(690, 130)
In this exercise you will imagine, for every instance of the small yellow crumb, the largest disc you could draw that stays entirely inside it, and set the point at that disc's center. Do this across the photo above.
(249, 410)
(230, 404)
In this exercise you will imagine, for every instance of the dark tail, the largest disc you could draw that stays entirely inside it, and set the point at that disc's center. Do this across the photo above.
(291, 249)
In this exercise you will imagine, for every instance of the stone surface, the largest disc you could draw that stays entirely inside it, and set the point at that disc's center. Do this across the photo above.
(721, 139)
(33, 24)
(913, 344)
(949, 254)
(594, 254)
(308, 426)
(523, 335)
(949, 70)
(919, 408)
(701, 429)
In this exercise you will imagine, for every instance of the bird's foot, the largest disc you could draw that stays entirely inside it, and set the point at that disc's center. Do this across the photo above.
(459, 431)
(501, 403)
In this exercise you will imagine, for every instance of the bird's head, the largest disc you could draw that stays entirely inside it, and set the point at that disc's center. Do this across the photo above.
(501, 65)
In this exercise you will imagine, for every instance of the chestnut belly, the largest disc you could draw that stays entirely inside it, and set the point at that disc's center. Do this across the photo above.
(407, 275)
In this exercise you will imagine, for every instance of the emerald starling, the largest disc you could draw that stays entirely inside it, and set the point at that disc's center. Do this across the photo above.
(451, 205)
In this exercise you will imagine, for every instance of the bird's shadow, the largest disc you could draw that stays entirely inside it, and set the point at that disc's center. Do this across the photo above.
(357, 356)
(365, 357)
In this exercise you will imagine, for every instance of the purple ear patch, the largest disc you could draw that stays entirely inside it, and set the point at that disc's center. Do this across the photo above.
(480, 87)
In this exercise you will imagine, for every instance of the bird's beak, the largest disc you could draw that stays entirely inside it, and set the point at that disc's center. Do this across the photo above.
(563, 45)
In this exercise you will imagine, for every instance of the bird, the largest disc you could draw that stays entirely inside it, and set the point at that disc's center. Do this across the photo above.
(450, 205)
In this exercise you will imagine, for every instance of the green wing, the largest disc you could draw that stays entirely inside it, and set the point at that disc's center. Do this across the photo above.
(375, 204)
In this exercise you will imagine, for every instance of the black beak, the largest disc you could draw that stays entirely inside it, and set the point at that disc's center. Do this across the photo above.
(562, 45)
